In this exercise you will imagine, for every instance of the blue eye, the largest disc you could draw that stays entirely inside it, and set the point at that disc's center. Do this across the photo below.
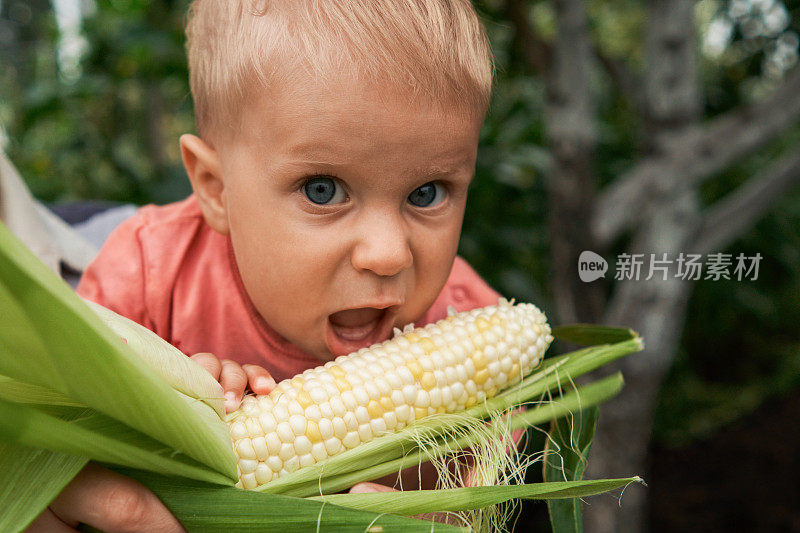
(323, 190)
(428, 195)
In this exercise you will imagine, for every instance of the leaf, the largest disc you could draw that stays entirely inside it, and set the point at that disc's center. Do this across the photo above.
(202, 507)
(592, 334)
(50, 338)
(29, 480)
(412, 502)
(565, 459)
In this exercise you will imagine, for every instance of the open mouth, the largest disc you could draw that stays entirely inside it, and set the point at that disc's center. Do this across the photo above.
(352, 329)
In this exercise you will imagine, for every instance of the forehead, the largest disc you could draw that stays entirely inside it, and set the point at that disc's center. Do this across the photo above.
(310, 117)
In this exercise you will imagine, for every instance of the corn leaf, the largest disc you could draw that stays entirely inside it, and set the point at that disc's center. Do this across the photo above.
(592, 334)
(202, 507)
(29, 480)
(566, 456)
(97, 437)
(412, 502)
(50, 338)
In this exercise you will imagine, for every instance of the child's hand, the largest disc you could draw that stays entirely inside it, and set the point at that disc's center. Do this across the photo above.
(235, 378)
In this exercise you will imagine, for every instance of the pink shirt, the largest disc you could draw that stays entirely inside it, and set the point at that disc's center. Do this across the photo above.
(166, 269)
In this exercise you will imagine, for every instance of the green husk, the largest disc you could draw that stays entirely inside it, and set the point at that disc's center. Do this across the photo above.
(414, 502)
(566, 457)
(204, 507)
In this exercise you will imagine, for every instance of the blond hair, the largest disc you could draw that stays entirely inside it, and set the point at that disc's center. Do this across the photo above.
(437, 48)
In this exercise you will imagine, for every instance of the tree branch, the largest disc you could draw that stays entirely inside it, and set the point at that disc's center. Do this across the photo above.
(696, 156)
(741, 209)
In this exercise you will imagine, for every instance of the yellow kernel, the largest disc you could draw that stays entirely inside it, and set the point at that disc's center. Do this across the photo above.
(374, 409)
(342, 384)
(482, 324)
(441, 409)
(470, 401)
(481, 376)
(514, 372)
(304, 399)
(427, 345)
(337, 371)
(412, 337)
(479, 359)
(297, 382)
(428, 381)
(415, 368)
(419, 412)
(312, 431)
(491, 392)
(386, 404)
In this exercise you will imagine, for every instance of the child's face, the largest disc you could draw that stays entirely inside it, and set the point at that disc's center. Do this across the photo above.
(344, 206)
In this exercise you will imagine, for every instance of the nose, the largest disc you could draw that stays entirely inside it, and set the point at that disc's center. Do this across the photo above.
(383, 246)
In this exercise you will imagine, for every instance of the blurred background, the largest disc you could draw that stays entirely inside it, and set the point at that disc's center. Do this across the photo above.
(616, 126)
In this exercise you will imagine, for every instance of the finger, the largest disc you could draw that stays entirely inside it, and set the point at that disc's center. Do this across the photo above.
(368, 486)
(261, 382)
(233, 381)
(208, 361)
(112, 502)
(48, 522)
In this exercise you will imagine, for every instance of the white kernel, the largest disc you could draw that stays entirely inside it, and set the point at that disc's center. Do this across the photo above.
(471, 387)
(249, 481)
(247, 466)
(302, 445)
(349, 400)
(280, 412)
(275, 463)
(337, 406)
(351, 440)
(365, 432)
(378, 426)
(423, 399)
(398, 397)
(350, 421)
(383, 387)
(469, 369)
(438, 360)
(326, 410)
(273, 443)
(318, 451)
(393, 381)
(244, 449)
(451, 373)
(441, 378)
(426, 363)
(261, 449)
(318, 394)
(238, 430)
(333, 446)
(249, 406)
(362, 414)
(457, 389)
(405, 375)
(298, 424)
(361, 396)
(490, 352)
(339, 428)
(372, 391)
(263, 474)
(403, 412)
(506, 363)
(295, 408)
(390, 419)
(313, 413)
(253, 426)
(282, 473)
(447, 396)
(285, 433)
(410, 393)
(435, 397)
(306, 460)
(325, 428)
(287, 451)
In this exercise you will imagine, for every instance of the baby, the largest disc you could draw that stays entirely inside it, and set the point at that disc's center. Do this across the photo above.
(336, 143)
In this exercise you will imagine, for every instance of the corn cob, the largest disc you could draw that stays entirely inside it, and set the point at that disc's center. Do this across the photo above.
(441, 368)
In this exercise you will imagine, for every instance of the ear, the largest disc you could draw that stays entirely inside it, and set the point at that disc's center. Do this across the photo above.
(202, 165)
